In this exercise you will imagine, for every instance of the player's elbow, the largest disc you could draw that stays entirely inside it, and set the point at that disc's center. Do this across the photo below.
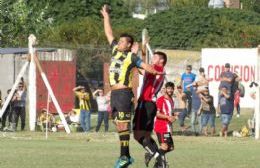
(110, 38)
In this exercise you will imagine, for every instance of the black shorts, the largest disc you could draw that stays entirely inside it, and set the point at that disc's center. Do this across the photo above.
(165, 138)
(144, 116)
(121, 103)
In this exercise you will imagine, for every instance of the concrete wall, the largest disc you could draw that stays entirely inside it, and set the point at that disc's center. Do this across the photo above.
(10, 66)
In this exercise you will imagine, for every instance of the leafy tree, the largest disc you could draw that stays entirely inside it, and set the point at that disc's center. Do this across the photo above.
(18, 20)
(195, 28)
(190, 3)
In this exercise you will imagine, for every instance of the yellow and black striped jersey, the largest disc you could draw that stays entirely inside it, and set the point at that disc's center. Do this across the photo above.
(121, 66)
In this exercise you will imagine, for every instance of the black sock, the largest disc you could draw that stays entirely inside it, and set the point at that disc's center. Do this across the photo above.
(154, 144)
(124, 137)
(162, 154)
(149, 145)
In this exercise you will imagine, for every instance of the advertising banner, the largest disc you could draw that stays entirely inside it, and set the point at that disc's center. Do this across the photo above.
(242, 61)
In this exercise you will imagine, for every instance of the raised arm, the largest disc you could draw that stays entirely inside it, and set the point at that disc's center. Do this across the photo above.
(207, 100)
(76, 89)
(107, 24)
(95, 93)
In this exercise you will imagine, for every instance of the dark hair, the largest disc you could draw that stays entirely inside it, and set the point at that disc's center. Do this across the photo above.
(169, 84)
(189, 66)
(162, 55)
(129, 38)
(227, 65)
(224, 87)
(252, 84)
(201, 69)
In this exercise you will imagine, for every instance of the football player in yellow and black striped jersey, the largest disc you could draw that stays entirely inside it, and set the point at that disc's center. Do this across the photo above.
(123, 60)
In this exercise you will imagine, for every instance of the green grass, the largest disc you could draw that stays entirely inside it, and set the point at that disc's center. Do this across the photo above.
(99, 150)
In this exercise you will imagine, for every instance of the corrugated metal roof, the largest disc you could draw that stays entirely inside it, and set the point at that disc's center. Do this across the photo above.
(24, 50)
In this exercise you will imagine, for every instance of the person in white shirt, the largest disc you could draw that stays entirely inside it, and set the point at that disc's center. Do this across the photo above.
(102, 102)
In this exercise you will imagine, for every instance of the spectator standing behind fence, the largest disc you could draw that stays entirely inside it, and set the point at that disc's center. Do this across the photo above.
(201, 81)
(8, 113)
(226, 109)
(19, 105)
(182, 102)
(194, 110)
(102, 102)
(84, 105)
(227, 80)
(208, 112)
(187, 79)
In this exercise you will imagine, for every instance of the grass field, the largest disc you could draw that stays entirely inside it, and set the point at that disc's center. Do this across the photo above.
(99, 150)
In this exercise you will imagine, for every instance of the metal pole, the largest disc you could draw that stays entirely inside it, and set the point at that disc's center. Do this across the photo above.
(257, 99)
(47, 119)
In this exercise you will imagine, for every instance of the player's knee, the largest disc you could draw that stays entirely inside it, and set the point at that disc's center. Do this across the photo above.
(164, 146)
(167, 147)
(139, 135)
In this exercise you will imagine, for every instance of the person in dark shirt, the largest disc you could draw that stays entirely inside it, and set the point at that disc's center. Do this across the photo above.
(226, 108)
(208, 112)
(8, 113)
(196, 102)
(228, 79)
(20, 105)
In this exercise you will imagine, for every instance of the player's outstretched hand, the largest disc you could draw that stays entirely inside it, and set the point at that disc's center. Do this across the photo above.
(135, 48)
(104, 11)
